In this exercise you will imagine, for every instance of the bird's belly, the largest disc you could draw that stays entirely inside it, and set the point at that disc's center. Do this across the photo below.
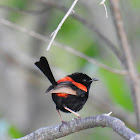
(73, 102)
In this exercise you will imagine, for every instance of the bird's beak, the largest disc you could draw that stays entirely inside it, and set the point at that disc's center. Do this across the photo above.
(95, 79)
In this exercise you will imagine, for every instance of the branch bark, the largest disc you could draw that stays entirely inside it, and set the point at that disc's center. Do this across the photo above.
(76, 125)
(134, 78)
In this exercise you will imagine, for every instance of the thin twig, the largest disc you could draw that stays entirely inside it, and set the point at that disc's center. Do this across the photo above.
(91, 60)
(61, 23)
(134, 78)
(58, 131)
(103, 3)
(67, 48)
(102, 104)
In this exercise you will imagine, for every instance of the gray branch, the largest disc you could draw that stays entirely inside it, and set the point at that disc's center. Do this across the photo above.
(129, 60)
(75, 125)
(64, 47)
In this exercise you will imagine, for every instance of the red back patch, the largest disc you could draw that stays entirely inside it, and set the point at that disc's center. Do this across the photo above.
(79, 85)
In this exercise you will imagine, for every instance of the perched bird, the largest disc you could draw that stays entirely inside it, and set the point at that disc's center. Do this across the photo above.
(69, 93)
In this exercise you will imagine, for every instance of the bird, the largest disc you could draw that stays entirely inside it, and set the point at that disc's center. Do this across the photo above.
(69, 93)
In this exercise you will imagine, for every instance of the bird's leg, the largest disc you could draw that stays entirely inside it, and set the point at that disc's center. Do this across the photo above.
(63, 122)
(60, 116)
(73, 112)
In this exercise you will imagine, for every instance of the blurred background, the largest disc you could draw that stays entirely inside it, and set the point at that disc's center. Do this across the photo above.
(24, 106)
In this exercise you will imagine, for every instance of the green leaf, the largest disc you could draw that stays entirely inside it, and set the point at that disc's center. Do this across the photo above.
(14, 132)
(135, 4)
(118, 89)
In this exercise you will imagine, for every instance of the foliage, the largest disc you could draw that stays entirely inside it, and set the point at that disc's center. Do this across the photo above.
(14, 132)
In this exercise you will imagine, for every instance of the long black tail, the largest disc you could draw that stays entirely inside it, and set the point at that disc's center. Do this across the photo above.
(43, 65)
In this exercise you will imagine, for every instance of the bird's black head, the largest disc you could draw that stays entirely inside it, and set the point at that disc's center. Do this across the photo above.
(83, 79)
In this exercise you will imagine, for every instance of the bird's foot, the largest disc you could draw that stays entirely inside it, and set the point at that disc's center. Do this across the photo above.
(78, 118)
(62, 124)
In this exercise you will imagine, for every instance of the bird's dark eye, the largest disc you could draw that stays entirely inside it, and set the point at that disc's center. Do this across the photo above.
(84, 80)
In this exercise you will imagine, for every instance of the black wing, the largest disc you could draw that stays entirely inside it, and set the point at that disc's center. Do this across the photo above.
(43, 65)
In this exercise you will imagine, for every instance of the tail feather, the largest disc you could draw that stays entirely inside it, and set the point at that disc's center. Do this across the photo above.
(43, 65)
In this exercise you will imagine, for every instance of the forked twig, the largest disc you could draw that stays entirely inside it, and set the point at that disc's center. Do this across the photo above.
(60, 24)
(103, 3)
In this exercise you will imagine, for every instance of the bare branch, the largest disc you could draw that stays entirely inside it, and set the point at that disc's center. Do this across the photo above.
(134, 78)
(91, 60)
(61, 23)
(92, 27)
(75, 125)
(67, 48)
